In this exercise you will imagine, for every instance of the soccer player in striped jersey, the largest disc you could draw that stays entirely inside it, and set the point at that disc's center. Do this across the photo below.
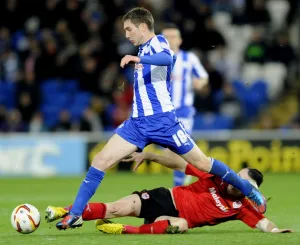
(153, 119)
(188, 75)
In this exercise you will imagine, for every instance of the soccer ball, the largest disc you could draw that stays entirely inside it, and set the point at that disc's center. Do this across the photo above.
(25, 218)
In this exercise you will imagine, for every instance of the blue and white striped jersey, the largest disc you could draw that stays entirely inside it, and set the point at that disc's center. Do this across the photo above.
(152, 82)
(186, 68)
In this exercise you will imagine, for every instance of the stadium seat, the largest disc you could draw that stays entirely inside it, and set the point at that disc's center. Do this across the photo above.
(243, 33)
(218, 98)
(16, 40)
(223, 122)
(55, 85)
(50, 114)
(252, 104)
(70, 86)
(198, 121)
(239, 44)
(247, 32)
(233, 63)
(82, 99)
(59, 99)
(278, 10)
(252, 72)
(252, 97)
(76, 112)
(260, 88)
(212, 121)
(230, 34)
(240, 89)
(51, 86)
(208, 121)
(274, 74)
(221, 19)
(7, 94)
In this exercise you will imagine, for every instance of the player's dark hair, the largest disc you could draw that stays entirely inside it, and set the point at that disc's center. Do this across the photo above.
(170, 26)
(256, 175)
(139, 16)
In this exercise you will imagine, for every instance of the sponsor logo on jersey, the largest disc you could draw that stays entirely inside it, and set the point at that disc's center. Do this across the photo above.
(237, 204)
(145, 196)
(216, 198)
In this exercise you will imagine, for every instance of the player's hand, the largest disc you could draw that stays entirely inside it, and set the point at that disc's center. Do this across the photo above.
(136, 157)
(282, 231)
(129, 58)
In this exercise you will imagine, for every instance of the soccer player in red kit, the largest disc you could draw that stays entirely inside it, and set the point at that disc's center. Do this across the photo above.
(208, 201)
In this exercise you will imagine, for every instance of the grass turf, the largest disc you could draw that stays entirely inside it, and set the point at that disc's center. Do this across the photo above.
(283, 209)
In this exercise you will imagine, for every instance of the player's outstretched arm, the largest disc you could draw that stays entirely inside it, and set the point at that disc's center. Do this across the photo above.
(172, 163)
(266, 225)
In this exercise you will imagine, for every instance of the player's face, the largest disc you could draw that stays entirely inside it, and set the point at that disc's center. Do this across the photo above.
(232, 190)
(173, 37)
(133, 33)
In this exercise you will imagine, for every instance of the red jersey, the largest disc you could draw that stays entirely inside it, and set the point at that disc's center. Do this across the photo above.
(206, 202)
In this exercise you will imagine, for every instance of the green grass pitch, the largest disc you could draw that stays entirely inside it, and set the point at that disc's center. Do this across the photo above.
(283, 209)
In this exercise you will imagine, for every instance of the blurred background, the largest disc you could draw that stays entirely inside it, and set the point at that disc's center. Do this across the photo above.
(59, 72)
(62, 93)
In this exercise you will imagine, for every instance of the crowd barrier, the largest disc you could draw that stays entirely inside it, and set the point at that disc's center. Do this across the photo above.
(71, 154)
(48, 155)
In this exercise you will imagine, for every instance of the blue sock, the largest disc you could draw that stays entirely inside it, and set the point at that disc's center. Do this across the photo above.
(87, 189)
(178, 178)
(228, 175)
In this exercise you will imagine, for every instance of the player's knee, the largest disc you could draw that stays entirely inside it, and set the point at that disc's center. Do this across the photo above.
(115, 209)
(181, 223)
(102, 162)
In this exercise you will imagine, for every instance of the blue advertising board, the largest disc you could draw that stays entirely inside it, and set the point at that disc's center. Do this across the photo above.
(42, 156)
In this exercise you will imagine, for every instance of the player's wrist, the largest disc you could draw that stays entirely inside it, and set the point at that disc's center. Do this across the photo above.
(274, 230)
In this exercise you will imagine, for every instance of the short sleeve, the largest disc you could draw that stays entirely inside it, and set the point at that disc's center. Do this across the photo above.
(160, 44)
